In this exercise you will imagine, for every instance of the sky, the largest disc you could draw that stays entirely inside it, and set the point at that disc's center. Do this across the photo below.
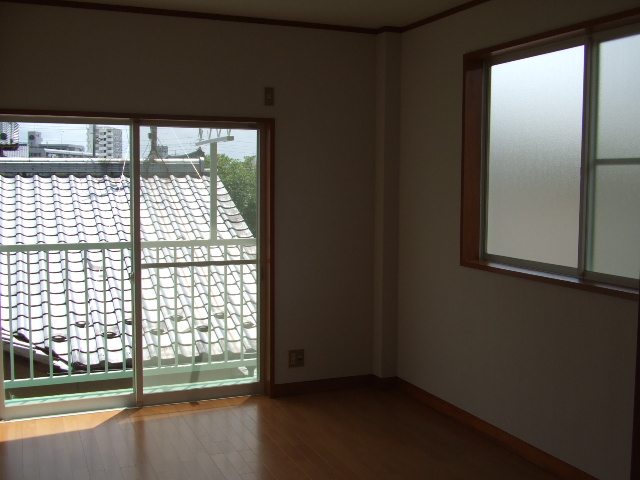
(178, 140)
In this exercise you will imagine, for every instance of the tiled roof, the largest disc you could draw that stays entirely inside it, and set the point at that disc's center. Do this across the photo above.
(75, 304)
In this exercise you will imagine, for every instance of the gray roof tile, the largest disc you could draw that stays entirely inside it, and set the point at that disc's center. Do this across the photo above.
(76, 303)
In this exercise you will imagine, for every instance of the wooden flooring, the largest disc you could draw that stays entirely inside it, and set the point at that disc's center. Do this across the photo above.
(350, 434)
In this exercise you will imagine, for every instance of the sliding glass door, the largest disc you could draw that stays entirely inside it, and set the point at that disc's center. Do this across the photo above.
(65, 263)
(199, 257)
(120, 288)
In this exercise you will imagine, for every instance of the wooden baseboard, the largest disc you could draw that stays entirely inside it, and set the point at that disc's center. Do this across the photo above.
(387, 383)
(329, 384)
(520, 447)
(324, 385)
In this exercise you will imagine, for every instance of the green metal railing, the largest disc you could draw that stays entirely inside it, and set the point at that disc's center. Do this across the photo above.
(49, 346)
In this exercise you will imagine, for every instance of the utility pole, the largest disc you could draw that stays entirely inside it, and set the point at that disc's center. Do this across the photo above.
(213, 173)
(153, 153)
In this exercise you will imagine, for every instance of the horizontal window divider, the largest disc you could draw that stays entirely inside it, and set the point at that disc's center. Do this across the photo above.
(617, 161)
(49, 247)
(73, 378)
(204, 367)
(128, 118)
(39, 161)
(61, 247)
(172, 122)
(199, 264)
(533, 265)
(606, 278)
(554, 279)
(230, 242)
(69, 118)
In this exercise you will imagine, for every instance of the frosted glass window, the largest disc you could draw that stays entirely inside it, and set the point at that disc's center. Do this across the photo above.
(616, 222)
(619, 99)
(534, 158)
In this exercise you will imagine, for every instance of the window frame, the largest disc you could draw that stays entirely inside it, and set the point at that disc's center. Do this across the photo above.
(476, 70)
(265, 126)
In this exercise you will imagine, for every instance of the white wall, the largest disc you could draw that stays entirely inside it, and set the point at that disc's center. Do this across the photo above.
(551, 365)
(70, 59)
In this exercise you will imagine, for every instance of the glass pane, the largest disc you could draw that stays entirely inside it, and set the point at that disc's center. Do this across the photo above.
(199, 319)
(65, 301)
(534, 158)
(616, 219)
(619, 99)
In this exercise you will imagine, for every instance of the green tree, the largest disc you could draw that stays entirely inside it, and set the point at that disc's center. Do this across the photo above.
(240, 178)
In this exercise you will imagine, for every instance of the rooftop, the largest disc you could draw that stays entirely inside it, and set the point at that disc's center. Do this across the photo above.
(65, 264)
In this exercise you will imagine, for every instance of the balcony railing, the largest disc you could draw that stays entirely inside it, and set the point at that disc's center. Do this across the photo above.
(67, 310)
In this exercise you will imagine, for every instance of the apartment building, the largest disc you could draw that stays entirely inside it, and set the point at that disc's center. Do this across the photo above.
(104, 141)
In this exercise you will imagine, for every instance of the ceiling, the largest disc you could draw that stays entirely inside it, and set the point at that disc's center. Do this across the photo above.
(353, 13)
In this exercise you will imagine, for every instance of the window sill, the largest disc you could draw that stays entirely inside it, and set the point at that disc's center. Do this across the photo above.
(572, 282)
